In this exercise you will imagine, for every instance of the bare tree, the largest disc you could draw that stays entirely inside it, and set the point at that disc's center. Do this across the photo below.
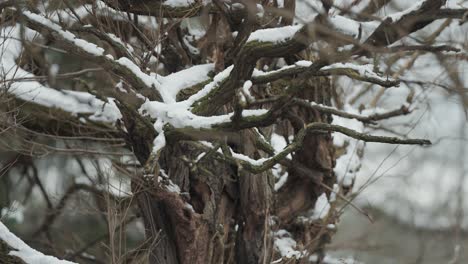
(223, 110)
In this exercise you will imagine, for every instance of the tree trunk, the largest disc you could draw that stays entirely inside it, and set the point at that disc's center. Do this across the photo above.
(223, 214)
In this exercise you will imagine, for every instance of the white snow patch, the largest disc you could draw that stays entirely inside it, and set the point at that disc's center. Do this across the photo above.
(88, 47)
(286, 245)
(180, 3)
(32, 91)
(275, 35)
(172, 84)
(348, 164)
(321, 208)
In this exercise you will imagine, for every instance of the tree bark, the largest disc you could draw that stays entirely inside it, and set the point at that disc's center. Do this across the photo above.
(220, 206)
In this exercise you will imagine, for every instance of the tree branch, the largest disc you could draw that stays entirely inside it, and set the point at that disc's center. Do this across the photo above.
(403, 110)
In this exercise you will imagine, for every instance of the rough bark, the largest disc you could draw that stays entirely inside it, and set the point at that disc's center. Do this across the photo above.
(256, 200)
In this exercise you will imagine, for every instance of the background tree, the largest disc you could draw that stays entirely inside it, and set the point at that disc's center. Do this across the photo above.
(216, 114)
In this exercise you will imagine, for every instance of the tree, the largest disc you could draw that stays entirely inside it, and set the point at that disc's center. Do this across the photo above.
(219, 113)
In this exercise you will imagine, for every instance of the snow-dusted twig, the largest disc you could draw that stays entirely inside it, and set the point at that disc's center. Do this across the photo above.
(403, 110)
(260, 165)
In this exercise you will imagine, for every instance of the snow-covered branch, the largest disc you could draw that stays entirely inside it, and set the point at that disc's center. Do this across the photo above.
(403, 110)
(358, 72)
(123, 67)
(167, 8)
(259, 165)
(31, 90)
(19, 249)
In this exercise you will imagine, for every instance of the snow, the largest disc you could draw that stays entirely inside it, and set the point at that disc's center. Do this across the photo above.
(33, 91)
(278, 142)
(399, 15)
(281, 177)
(363, 70)
(280, 3)
(179, 3)
(334, 192)
(149, 80)
(389, 194)
(307, 10)
(24, 252)
(274, 35)
(367, 28)
(93, 50)
(345, 25)
(348, 164)
(176, 114)
(354, 7)
(339, 139)
(120, 42)
(160, 141)
(417, 186)
(303, 63)
(331, 260)
(260, 11)
(456, 4)
(54, 70)
(246, 90)
(245, 158)
(257, 72)
(285, 244)
(88, 47)
(100, 9)
(172, 84)
(321, 208)
(179, 116)
(200, 156)
(217, 80)
(172, 187)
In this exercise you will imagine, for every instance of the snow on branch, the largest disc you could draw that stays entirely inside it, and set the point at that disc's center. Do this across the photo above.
(123, 67)
(167, 8)
(401, 24)
(365, 137)
(260, 165)
(274, 35)
(99, 9)
(184, 79)
(403, 110)
(358, 72)
(196, 76)
(84, 46)
(30, 90)
(24, 252)
(179, 116)
(280, 41)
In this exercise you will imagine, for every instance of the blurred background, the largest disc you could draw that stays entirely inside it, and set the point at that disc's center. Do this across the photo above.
(417, 197)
